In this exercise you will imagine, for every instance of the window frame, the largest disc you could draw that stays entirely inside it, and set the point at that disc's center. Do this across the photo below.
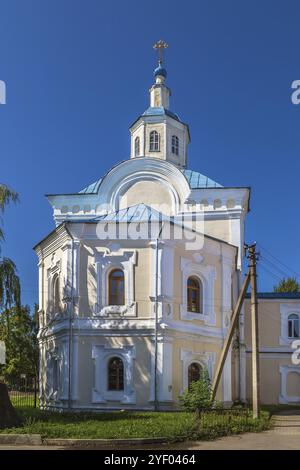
(154, 141)
(291, 326)
(119, 375)
(199, 295)
(137, 146)
(200, 371)
(56, 293)
(175, 145)
(118, 294)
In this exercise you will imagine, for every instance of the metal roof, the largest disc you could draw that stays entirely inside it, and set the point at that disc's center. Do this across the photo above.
(276, 295)
(160, 111)
(195, 180)
(92, 188)
(137, 213)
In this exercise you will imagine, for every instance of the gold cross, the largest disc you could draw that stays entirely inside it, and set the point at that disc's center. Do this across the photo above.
(160, 46)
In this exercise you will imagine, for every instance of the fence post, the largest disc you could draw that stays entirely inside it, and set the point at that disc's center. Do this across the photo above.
(35, 391)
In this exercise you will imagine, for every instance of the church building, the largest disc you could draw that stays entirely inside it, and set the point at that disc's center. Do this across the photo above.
(140, 275)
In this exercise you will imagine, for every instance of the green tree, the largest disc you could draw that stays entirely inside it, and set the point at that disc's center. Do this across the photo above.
(9, 295)
(290, 284)
(21, 344)
(10, 290)
(198, 397)
(7, 196)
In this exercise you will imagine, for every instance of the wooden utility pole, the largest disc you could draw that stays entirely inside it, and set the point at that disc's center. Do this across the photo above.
(227, 343)
(252, 256)
(249, 279)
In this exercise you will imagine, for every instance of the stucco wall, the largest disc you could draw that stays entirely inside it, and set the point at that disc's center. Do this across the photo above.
(279, 376)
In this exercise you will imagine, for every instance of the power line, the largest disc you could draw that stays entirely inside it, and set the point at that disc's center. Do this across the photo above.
(280, 262)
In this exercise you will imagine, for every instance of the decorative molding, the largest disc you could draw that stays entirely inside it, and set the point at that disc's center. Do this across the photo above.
(101, 355)
(287, 309)
(206, 360)
(105, 262)
(207, 275)
(284, 371)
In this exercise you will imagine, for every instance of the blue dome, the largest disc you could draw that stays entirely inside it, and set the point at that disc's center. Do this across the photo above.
(160, 71)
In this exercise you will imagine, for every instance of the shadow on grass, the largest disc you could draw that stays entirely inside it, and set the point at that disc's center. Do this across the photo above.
(102, 416)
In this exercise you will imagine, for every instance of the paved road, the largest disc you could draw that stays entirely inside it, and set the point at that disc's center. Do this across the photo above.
(285, 435)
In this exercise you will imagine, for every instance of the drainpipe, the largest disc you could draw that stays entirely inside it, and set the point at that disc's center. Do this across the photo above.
(71, 328)
(239, 351)
(156, 328)
(156, 402)
(41, 342)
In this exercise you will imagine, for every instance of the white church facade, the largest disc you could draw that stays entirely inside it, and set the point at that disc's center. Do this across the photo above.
(139, 277)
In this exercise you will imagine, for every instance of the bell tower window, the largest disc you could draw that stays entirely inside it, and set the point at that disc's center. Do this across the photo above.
(137, 147)
(154, 141)
(175, 145)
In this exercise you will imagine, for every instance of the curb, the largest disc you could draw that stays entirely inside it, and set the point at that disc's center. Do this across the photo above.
(105, 443)
(21, 439)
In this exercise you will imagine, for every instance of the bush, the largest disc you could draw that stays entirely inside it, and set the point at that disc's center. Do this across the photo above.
(199, 395)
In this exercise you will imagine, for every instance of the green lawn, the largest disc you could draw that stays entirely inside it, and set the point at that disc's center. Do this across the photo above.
(25, 400)
(126, 424)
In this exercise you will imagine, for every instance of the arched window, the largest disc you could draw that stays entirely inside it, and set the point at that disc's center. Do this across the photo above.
(55, 376)
(115, 374)
(116, 287)
(137, 147)
(194, 295)
(194, 373)
(175, 145)
(293, 326)
(56, 294)
(154, 141)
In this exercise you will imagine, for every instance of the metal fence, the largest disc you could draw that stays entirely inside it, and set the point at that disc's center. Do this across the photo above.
(23, 392)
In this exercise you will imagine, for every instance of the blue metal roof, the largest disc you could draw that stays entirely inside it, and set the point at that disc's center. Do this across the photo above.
(276, 295)
(160, 71)
(137, 213)
(160, 111)
(197, 180)
(92, 188)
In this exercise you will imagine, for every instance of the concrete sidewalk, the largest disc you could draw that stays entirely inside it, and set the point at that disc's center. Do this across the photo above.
(285, 435)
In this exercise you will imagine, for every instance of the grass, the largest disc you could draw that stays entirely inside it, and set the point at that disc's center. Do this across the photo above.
(23, 400)
(134, 424)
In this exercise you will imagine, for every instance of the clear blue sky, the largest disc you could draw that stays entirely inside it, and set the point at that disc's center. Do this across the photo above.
(78, 73)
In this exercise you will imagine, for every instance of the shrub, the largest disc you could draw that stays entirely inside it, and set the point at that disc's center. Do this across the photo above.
(198, 397)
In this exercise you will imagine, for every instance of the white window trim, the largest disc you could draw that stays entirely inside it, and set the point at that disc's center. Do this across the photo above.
(101, 356)
(207, 275)
(53, 273)
(285, 311)
(58, 354)
(154, 141)
(105, 263)
(293, 320)
(176, 146)
(283, 397)
(205, 360)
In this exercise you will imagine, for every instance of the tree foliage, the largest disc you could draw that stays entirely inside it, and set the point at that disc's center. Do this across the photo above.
(198, 397)
(21, 343)
(7, 196)
(10, 288)
(290, 284)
